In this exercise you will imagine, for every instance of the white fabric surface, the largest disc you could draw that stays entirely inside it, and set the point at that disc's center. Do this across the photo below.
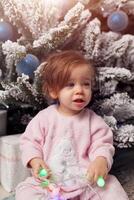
(12, 171)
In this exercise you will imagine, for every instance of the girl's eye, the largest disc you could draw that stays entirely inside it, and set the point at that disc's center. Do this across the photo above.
(71, 84)
(87, 84)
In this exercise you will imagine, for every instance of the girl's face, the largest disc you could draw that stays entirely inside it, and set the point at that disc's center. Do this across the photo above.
(76, 94)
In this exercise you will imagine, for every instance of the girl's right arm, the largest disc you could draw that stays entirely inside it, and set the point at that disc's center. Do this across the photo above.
(31, 144)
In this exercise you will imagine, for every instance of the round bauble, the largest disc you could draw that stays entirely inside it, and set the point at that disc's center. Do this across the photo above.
(27, 65)
(6, 31)
(117, 21)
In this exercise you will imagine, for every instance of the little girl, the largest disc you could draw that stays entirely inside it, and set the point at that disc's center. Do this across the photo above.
(69, 140)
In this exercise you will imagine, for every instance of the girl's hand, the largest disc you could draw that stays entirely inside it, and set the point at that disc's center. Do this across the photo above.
(97, 168)
(37, 164)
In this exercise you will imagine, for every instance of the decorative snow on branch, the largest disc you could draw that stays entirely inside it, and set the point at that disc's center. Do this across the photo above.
(115, 73)
(90, 42)
(58, 36)
(124, 136)
(13, 52)
(21, 91)
(119, 105)
(29, 16)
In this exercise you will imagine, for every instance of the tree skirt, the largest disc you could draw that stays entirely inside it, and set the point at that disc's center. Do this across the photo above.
(125, 177)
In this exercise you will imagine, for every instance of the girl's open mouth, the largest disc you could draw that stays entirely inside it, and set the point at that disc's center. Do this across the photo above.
(79, 102)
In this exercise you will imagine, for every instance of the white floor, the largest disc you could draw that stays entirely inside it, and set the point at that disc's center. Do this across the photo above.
(3, 193)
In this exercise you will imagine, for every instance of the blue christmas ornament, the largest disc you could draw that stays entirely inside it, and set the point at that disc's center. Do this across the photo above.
(27, 65)
(6, 31)
(117, 21)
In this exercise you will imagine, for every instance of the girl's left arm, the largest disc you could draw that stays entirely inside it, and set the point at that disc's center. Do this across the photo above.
(101, 140)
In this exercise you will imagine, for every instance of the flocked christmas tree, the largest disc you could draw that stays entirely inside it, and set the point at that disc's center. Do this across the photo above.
(102, 30)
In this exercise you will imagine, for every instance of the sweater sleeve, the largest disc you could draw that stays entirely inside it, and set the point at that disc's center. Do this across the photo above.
(101, 140)
(32, 140)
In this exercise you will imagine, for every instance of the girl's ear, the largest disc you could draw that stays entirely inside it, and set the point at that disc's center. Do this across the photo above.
(53, 94)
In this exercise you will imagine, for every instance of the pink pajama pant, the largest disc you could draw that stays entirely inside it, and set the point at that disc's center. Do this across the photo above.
(31, 190)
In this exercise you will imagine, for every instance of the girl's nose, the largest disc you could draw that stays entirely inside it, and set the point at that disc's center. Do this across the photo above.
(78, 89)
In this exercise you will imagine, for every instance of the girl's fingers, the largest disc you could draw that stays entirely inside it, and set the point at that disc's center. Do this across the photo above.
(105, 176)
(96, 177)
(36, 172)
(90, 177)
(44, 166)
(49, 173)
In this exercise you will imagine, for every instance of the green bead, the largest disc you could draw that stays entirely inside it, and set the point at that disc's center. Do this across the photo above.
(43, 172)
(45, 183)
(101, 181)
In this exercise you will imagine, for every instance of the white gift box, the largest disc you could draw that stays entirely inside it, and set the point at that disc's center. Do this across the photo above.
(12, 171)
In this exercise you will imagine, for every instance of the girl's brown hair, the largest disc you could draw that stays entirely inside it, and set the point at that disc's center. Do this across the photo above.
(57, 69)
